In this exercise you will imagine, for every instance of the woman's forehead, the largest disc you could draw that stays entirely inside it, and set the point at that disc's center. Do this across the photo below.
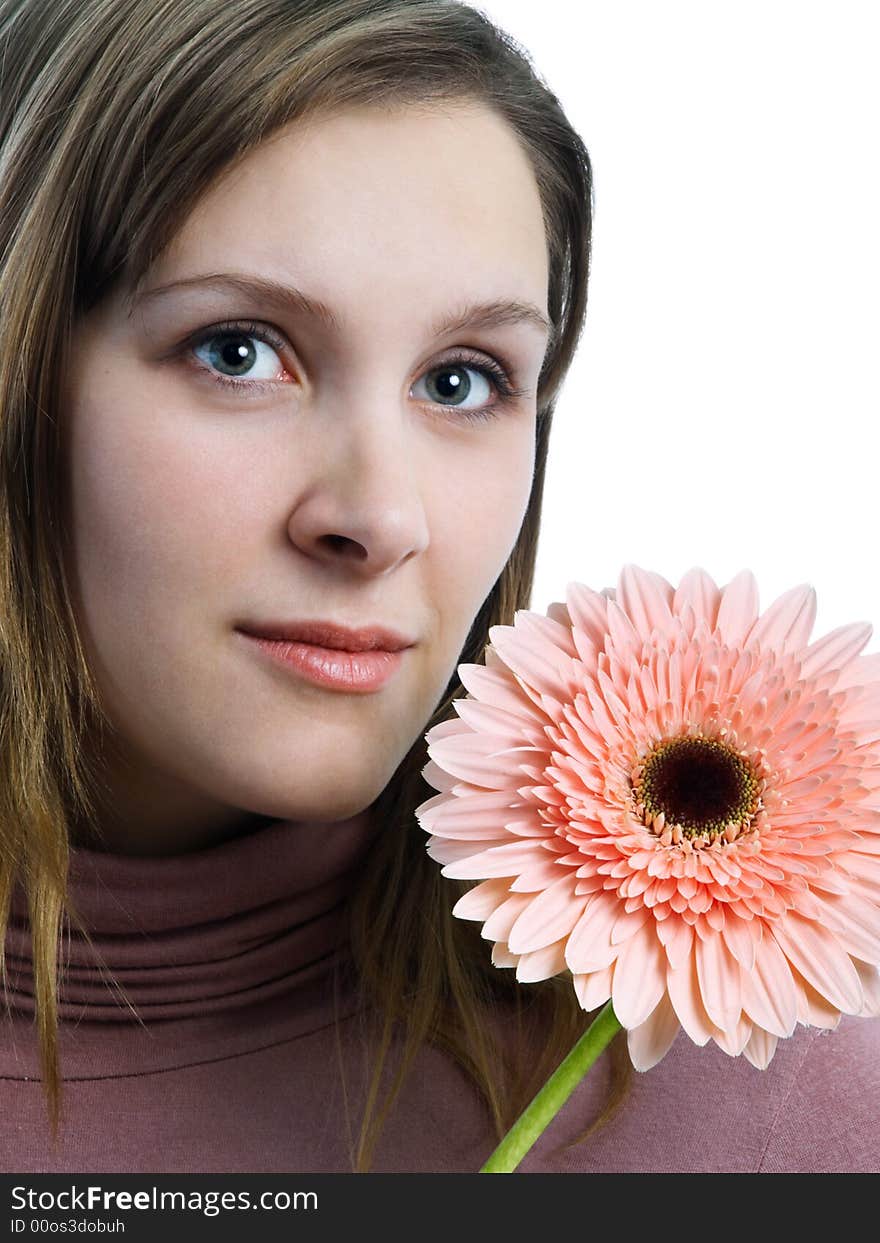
(399, 185)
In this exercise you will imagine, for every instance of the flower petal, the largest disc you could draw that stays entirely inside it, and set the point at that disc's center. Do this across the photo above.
(699, 590)
(508, 729)
(821, 960)
(549, 916)
(814, 1010)
(446, 850)
(498, 687)
(718, 973)
(545, 629)
(651, 1040)
(677, 937)
(483, 760)
(543, 963)
(588, 610)
(437, 777)
(540, 873)
(627, 923)
(684, 994)
(589, 944)
(855, 923)
(738, 609)
(478, 816)
(788, 622)
(502, 957)
(645, 597)
(760, 1047)
(500, 921)
(740, 938)
(860, 671)
(535, 662)
(639, 977)
(504, 860)
(594, 988)
(624, 638)
(870, 978)
(734, 1040)
(835, 649)
(769, 995)
(481, 901)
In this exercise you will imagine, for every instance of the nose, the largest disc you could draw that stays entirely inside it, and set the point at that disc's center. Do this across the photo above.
(363, 506)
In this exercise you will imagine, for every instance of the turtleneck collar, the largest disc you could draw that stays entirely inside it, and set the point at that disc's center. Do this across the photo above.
(211, 930)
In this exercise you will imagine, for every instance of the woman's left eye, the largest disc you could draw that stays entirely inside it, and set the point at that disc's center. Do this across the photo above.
(447, 384)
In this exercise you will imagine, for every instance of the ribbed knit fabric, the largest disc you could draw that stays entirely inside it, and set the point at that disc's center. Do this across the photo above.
(229, 1059)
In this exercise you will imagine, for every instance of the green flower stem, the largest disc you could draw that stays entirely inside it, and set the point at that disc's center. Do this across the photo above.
(536, 1117)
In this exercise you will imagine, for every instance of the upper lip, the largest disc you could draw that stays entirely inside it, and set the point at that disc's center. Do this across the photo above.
(332, 634)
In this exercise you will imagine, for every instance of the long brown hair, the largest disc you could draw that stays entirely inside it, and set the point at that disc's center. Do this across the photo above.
(115, 117)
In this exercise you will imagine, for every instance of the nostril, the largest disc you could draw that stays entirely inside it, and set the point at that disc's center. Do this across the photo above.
(342, 542)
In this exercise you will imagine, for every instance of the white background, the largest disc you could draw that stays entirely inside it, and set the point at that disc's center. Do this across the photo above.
(722, 409)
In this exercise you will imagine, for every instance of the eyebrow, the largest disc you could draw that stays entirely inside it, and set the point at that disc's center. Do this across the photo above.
(495, 313)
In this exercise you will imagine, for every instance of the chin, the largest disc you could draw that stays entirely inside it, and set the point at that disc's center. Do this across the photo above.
(316, 806)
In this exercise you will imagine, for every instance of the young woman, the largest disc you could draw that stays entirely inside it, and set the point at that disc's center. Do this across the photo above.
(288, 291)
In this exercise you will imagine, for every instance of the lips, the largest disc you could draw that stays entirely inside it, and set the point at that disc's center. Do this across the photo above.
(361, 672)
(328, 634)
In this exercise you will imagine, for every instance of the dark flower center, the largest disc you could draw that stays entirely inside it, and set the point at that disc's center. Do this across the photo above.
(704, 789)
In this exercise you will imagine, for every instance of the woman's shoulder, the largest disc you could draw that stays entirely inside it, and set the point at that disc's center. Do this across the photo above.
(829, 1120)
(814, 1109)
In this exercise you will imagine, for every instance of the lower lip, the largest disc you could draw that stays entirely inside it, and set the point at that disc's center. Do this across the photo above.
(356, 672)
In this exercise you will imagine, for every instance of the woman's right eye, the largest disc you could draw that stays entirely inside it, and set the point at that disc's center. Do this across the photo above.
(232, 346)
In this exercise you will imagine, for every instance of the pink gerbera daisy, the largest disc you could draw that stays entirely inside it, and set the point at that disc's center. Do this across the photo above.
(674, 798)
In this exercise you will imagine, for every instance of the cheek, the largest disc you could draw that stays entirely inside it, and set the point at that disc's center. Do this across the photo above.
(480, 514)
(504, 490)
(153, 516)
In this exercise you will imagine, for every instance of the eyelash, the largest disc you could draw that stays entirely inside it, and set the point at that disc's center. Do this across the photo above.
(496, 374)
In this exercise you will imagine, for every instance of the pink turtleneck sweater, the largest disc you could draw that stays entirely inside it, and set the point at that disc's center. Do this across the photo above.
(231, 1065)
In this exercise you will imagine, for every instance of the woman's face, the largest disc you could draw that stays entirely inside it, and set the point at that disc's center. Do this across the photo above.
(339, 474)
